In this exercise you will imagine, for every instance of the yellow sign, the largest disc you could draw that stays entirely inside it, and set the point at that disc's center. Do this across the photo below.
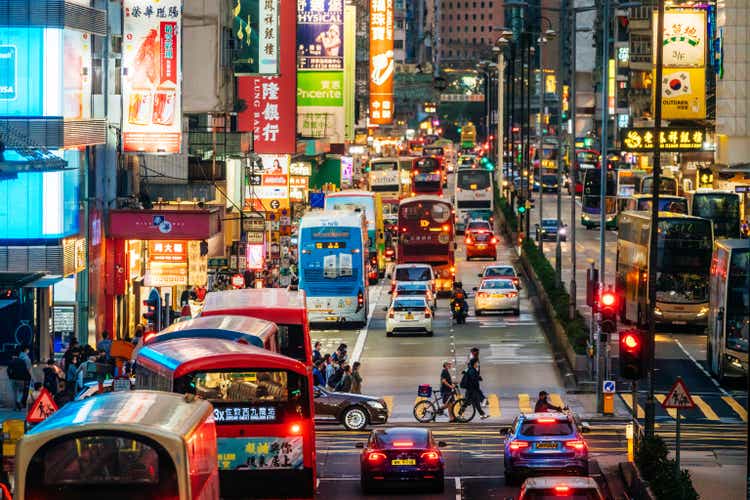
(670, 138)
(683, 94)
(424, 223)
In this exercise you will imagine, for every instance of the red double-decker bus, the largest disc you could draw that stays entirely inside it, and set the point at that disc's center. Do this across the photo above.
(286, 308)
(263, 409)
(427, 236)
(427, 176)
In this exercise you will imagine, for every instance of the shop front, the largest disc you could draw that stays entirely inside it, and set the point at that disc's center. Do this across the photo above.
(163, 249)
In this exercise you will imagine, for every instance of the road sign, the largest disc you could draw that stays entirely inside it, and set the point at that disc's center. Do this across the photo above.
(43, 407)
(609, 387)
(275, 204)
(678, 397)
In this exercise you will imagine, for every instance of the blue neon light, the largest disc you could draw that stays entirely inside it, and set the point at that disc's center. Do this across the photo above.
(22, 71)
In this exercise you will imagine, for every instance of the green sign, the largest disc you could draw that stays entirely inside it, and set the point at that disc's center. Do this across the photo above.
(255, 31)
(320, 88)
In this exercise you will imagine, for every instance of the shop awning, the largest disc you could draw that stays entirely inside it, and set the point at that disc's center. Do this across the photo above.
(13, 161)
(18, 280)
(44, 282)
(164, 224)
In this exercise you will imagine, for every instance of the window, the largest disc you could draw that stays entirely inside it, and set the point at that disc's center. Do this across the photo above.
(481, 28)
(398, 44)
(474, 29)
(481, 16)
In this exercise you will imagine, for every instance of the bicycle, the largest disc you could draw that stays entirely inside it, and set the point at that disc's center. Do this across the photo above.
(427, 410)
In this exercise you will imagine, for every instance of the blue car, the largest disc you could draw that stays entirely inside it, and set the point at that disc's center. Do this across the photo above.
(544, 443)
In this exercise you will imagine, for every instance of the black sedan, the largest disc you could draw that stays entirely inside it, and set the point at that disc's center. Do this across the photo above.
(549, 229)
(402, 455)
(354, 411)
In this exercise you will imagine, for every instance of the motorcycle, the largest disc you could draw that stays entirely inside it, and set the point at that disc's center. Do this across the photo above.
(459, 311)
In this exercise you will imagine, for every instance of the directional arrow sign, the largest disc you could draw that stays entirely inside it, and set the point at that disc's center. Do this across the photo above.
(678, 397)
(609, 386)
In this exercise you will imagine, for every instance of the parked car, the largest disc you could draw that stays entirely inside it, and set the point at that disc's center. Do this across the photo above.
(548, 230)
(353, 411)
(496, 295)
(542, 488)
(402, 454)
(408, 315)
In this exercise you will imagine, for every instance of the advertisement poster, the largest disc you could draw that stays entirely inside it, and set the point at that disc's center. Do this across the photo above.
(382, 65)
(255, 26)
(269, 104)
(683, 94)
(151, 79)
(347, 171)
(76, 75)
(22, 71)
(273, 191)
(260, 453)
(320, 104)
(320, 31)
(684, 38)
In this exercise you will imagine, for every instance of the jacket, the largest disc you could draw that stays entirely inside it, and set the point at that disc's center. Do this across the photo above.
(345, 384)
(356, 383)
(472, 381)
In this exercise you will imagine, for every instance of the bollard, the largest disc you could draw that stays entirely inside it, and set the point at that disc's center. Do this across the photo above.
(629, 435)
(608, 406)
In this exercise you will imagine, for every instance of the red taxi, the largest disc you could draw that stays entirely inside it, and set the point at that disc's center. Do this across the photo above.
(480, 241)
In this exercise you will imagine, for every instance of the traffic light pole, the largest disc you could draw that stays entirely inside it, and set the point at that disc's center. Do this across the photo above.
(653, 237)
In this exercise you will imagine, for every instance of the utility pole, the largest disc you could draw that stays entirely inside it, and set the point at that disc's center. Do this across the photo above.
(573, 168)
(653, 236)
(540, 42)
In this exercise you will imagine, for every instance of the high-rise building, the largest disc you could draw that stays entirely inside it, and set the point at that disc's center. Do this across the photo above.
(466, 30)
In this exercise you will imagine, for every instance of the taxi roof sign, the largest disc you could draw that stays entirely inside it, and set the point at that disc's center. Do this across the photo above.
(43, 407)
(679, 397)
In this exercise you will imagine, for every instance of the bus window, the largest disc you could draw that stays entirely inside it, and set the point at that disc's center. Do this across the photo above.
(473, 179)
(738, 302)
(292, 341)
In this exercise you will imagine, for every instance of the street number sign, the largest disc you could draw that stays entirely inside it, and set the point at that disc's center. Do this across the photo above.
(678, 398)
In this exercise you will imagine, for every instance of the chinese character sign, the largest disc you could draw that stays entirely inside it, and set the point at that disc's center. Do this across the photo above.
(261, 453)
(684, 38)
(151, 79)
(167, 251)
(320, 31)
(670, 138)
(382, 65)
(270, 104)
(255, 28)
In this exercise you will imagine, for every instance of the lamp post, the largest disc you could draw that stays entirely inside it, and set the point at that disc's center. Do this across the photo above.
(543, 39)
(500, 44)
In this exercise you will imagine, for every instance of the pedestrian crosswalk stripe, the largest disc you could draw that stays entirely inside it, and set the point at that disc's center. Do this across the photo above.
(556, 400)
(705, 408)
(494, 406)
(628, 398)
(523, 403)
(738, 408)
(389, 404)
(672, 412)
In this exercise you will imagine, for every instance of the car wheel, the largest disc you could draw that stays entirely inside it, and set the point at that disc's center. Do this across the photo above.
(354, 418)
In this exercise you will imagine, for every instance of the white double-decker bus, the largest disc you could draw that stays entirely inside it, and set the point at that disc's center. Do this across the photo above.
(474, 191)
(384, 175)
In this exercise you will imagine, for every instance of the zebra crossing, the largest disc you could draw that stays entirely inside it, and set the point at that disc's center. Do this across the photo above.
(709, 407)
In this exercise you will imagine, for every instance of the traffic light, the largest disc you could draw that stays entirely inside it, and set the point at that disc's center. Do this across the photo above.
(608, 311)
(521, 206)
(153, 309)
(631, 354)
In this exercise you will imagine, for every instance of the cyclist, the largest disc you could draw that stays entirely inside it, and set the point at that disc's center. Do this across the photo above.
(447, 389)
(543, 405)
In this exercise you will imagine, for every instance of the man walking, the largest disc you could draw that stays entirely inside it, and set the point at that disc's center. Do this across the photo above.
(316, 352)
(473, 392)
(356, 379)
(345, 384)
(474, 354)
(446, 389)
(20, 377)
(318, 378)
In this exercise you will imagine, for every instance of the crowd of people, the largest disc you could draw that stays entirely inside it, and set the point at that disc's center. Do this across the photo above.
(334, 371)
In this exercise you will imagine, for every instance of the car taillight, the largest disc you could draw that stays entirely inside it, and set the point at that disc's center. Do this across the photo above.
(561, 489)
(375, 457)
(512, 295)
(469, 241)
(515, 281)
(403, 444)
(517, 445)
(430, 456)
(427, 312)
(578, 444)
(482, 295)
(546, 420)
(493, 240)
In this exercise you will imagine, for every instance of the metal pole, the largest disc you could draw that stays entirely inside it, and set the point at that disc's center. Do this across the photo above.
(605, 122)
(540, 41)
(653, 237)
(677, 443)
(527, 164)
(558, 91)
(573, 172)
(511, 120)
(500, 139)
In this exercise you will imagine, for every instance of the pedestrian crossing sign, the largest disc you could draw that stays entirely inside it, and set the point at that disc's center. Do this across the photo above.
(678, 398)
(43, 407)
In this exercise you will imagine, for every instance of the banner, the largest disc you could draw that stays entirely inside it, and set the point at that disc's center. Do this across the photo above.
(684, 38)
(683, 94)
(382, 65)
(151, 76)
(320, 31)
(261, 453)
(255, 26)
(640, 139)
(76, 75)
(320, 104)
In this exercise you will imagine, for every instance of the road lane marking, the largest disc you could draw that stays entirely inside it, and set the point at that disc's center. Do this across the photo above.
(628, 398)
(705, 408)
(736, 406)
(523, 403)
(494, 406)
(700, 367)
(458, 487)
(556, 400)
(671, 411)
(359, 345)
(389, 404)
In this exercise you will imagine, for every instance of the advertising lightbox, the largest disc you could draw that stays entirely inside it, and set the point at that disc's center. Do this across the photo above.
(255, 26)
(320, 31)
(382, 65)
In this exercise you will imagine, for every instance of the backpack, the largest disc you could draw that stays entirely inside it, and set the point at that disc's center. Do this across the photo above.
(464, 380)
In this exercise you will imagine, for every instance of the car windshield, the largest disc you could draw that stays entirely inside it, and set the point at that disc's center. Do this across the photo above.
(549, 223)
(499, 271)
(395, 439)
(535, 428)
(473, 226)
(413, 274)
(412, 289)
(497, 285)
(549, 179)
(409, 305)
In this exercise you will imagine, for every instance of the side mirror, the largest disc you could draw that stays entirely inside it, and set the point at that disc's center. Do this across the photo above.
(360, 445)
(442, 444)
(475, 289)
(389, 292)
(585, 427)
(479, 275)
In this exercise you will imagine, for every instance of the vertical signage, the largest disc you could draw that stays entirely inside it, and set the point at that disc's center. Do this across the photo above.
(382, 65)
(320, 102)
(255, 27)
(350, 66)
(151, 79)
(272, 193)
(320, 30)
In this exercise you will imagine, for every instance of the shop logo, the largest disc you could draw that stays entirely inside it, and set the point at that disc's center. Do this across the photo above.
(162, 223)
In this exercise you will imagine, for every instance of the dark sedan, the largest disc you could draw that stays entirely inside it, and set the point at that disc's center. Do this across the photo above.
(353, 411)
(400, 455)
(549, 229)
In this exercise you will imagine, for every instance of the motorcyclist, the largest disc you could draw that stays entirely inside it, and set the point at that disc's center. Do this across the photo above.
(543, 405)
(458, 296)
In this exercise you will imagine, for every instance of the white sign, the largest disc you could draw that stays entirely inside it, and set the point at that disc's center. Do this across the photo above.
(684, 38)
(609, 387)
(678, 398)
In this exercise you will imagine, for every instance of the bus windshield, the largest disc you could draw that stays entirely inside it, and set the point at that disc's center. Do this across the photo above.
(683, 261)
(721, 208)
(738, 301)
(427, 165)
(473, 179)
(364, 203)
(384, 165)
(677, 205)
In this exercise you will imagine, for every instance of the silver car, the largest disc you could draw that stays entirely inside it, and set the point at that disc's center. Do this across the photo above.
(497, 295)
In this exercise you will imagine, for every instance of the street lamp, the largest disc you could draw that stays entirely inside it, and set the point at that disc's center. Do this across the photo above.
(546, 37)
(499, 48)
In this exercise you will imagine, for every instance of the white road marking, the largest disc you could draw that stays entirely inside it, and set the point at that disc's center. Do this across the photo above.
(458, 487)
(359, 346)
(700, 367)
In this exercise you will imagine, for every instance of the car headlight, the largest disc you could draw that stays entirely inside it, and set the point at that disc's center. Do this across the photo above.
(562, 231)
(376, 404)
(703, 311)
(657, 311)
(585, 217)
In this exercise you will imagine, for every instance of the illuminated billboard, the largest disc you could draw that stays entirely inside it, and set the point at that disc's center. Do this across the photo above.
(684, 38)
(151, 76)
(382, 65)
(320, 31)
(255, 27)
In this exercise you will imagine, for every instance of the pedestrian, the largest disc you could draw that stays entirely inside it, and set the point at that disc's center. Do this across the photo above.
(105, 344)
(70, 375)
(474, 354)
(72, 350)
(185, 296)
(35, 393)
(447, 389)
(340, 355)
(330, 368)
(473, 391)
(316, 352)
(137, 341)
(52, 376)
(345, 384)
(338, 374)
(356, 379)
(20, 377)
(82, 370)
(318, 378)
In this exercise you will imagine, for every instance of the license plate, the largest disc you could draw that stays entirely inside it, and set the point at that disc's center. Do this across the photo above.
(481, 246)
(498, 295)
(551, 445)
(331, 318)
(407, 461)
(409, 316)
(679, 322)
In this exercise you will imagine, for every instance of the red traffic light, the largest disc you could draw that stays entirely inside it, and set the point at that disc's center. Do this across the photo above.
(630, 341)
(608, 299)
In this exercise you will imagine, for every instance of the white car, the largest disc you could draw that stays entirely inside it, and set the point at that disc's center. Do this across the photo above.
(496, 295)
(560, 487)
(408, 315)
(415, 289)
(413, 272)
